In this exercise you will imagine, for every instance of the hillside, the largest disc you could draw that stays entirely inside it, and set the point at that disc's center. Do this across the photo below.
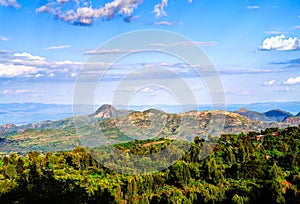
(240, 169)
(293, 120)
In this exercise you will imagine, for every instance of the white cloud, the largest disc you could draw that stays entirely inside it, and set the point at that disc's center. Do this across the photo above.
(29, 56)
(202, 44)
(38, 75)
(246, 93)
(58, 47)
(296, 27)
(86, 15)
(4, 52)
(7, 3)
(16, 92)
(6, 92)
(116, 51)
(285, 89)
(23, 91)
(167, 23)
(10, 70)
(270, 83)
(3, 38)
(159, 9)
(281, 43)
(292, 81)
(62, 1)
(252, 7)
(275, 32)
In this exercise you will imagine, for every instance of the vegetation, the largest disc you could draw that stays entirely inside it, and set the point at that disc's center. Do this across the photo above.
(258, 167)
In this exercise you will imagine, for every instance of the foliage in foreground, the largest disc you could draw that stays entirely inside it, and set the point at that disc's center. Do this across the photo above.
(241, 170)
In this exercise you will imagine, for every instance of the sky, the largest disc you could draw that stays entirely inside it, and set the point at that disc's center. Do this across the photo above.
(254, 46)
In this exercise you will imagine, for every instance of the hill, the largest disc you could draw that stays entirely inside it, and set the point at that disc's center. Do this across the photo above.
(240, 169)
(277, 115)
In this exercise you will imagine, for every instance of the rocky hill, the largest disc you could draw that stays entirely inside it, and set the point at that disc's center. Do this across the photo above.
(293, 120)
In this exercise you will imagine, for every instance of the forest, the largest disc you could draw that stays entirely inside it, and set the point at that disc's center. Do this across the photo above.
(257, 167)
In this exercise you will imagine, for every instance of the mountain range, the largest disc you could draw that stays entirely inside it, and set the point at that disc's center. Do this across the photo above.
(108, 124)
(27, 113)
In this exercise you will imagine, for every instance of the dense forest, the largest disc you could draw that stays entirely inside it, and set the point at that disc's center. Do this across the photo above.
(258, 167)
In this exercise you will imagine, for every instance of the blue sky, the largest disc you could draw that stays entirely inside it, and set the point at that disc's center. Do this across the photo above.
(254, 45)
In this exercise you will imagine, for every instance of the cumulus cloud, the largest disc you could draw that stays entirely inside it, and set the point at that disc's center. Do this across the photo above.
(292, 81)
(58, 47)
(270, 83)
(280, 43)
(85, 15)
(34, 66)
(11, 3)
(159, 9)
(252, 7)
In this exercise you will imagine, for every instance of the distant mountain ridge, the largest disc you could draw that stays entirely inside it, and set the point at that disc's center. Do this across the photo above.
(275, 115)
(278, 115)
(28, 113)
(116, 125)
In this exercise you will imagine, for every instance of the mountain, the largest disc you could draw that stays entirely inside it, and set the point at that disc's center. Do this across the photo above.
(105, 111)
(298, 114)
(27, 113)
(108, 111)
(253, 115)
(277, 115)
(185, 126)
